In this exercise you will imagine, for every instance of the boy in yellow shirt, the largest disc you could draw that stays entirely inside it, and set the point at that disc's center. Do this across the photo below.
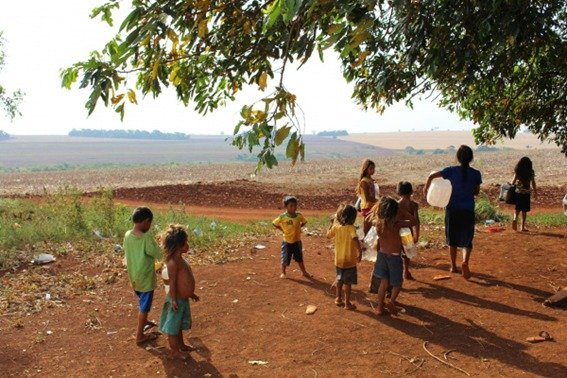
(141, 252)
(290, 223)
(348, 253)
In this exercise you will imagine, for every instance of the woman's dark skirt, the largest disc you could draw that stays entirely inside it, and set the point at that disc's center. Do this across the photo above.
(523, 202)
(459, 227)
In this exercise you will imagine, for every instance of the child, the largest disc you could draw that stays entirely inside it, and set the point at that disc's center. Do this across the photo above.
(176, 312)
(348, 252)
(141, 252)
(408, 206)
(389, 266)
(367, 193)
(524, 179)
(290, 223)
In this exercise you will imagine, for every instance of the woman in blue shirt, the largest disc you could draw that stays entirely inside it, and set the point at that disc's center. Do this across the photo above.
(459, 213)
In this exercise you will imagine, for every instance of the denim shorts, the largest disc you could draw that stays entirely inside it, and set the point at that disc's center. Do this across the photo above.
(389, 267)
(347, 276)
(145, 299)
(290, 250)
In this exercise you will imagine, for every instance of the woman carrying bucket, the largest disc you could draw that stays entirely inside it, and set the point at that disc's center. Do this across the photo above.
(459, 212)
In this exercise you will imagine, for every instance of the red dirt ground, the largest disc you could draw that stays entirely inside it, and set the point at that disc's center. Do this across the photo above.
(244, 194)
(485, 321)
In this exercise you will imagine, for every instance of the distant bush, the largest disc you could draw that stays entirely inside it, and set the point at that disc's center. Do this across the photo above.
(333, 133)
(484, 148)
(4, 135)
(439, 151)
(128, 134)
(412, 151)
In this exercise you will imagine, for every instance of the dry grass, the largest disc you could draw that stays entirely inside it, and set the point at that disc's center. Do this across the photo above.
(315, 174)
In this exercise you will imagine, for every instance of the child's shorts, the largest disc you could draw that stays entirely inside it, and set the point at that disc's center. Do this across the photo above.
(172, 322)
(145, 299)
(347, 276)
(290, 250)
(389, 267)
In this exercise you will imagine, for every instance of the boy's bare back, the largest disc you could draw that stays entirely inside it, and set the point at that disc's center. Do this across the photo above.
(185, 283)
(408, 206)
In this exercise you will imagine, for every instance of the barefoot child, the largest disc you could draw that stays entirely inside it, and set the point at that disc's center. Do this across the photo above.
(348, 252)
(367, 192)
(411, 208)
(141, 252)
(290, 223)
(176, 312)
(524, 179)
(389, 266)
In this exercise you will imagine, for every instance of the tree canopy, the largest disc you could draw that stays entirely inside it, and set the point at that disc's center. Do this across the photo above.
(8, 102)
(499, 63)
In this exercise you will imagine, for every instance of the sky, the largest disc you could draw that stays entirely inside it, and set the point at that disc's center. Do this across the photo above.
(44, 36)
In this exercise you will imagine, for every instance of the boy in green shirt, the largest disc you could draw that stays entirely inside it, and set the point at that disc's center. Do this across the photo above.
(141, 252)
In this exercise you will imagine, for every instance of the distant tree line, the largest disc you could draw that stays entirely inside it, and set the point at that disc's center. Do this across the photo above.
(4, 135)
(333, 133)
(128, 134)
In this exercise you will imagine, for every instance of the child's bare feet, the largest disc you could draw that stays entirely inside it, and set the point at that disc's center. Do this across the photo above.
(391, 308)
(515, 225)
(307, 275)
(454, 269)
(466, 271)
(350, 306)
(283, 276)
(339, 302)
(408, 276)
(380, 311)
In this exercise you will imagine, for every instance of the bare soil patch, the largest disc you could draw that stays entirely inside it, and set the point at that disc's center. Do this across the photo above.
(247, 313)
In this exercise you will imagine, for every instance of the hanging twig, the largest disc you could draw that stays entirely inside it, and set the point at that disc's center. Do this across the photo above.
(443, 362)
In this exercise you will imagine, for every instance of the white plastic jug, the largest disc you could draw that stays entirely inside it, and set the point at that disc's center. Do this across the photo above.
(370, 253)
(565, 204)
(165, 277)
(407, 242)
(439, 192)
(376, 190)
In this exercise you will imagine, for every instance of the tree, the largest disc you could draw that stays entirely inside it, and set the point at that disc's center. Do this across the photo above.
(498, 63)
(8, 102)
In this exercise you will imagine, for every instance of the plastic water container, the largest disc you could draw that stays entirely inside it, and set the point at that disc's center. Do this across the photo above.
(165, 278)
(407, 242)
(565, 204)
(376, 190)
(439, 192)
(370, 253)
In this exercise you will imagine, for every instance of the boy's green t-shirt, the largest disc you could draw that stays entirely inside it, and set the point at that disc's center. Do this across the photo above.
(141, 252)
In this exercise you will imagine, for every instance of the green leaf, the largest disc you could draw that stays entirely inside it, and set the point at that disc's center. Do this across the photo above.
(281, 134)
(292, 147)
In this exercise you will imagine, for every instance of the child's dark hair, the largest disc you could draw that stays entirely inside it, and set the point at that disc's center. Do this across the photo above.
(289, 199)
(385, 213)
(346, 215)
(173, 238)
(465, 157)
(524, 170)
(405, 188)
(141, 214)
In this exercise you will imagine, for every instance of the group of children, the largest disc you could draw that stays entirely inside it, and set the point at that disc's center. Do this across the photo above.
(387, 215)
(142, 251)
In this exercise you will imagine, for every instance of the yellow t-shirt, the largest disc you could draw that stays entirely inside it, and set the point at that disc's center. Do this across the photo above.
(346, 253)
(365, 204)
(291, 226)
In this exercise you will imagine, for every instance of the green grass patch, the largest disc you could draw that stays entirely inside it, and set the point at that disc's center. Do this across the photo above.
(28, 227)
(548, 219)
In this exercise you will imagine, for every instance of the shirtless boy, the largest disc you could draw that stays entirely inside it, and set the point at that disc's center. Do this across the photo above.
(176, 312)
(409, 209)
